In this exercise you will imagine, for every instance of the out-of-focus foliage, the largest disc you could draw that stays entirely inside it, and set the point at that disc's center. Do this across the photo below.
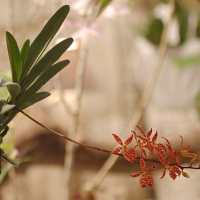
(197, 103)
(155, 26)
(182, 15)
(198, 27)
(165, 1)
(186, 62)
(155, 31)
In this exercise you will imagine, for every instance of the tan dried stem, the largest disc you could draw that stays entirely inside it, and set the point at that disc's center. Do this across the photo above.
(68, 160)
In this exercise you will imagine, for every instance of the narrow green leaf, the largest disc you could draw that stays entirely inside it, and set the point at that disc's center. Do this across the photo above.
(3, 118)
(43, 39)
(24, 51)
(1, 151)
(6, 108)
(43, 78)
(14, 56)
(4, 132)
(34, 99)
(50, 58)
(13, 88)
(8, 119)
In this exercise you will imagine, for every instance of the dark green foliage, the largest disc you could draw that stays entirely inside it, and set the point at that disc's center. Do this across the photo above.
(24, 51)
(15, 57)
(186, 62)
(155, 26)
(41, 80)
(197, 103)
(34, 99)
(182, 16)
(4, 132)
(198, 26)
(165, 1)
(155, 31)
(2, 151)
(51, 57)
(43, 39)
(31, 69)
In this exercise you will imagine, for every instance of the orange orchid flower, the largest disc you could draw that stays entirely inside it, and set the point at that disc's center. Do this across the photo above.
(129, 153)
(146, 180)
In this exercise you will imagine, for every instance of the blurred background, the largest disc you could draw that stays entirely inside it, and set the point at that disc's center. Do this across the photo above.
(133, 62)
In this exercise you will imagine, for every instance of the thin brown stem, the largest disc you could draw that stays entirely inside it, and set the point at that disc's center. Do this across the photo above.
(61, 135)
(96, 148)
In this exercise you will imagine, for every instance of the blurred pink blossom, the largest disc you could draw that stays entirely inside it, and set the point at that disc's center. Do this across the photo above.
(114, 10)
(80, 5)
(85, 31)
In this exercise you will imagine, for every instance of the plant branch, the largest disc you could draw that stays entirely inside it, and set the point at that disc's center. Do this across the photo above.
(68, 160)
(61, 135)
(96, 148)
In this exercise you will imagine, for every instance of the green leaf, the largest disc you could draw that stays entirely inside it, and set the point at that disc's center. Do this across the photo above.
(24, 51)
(34, 99)
(198, 26)
(103, 5)
(1, 151)
(43, 39)
(43, 78)
(14, 56)
(165, 1)
(13, 88)
(4, 132)
(50, 58)
(182, 16)
(186, 62)
(197, 103)
(3, 117)
(6, 108)
(155, 29)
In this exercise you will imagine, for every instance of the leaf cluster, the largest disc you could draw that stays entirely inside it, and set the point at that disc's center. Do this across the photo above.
(31, 68)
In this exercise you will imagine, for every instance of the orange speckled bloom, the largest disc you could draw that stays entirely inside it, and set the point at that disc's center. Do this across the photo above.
(168, 157)
(129, 153)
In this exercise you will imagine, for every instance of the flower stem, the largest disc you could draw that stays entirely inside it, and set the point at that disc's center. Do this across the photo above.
(63, 136)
